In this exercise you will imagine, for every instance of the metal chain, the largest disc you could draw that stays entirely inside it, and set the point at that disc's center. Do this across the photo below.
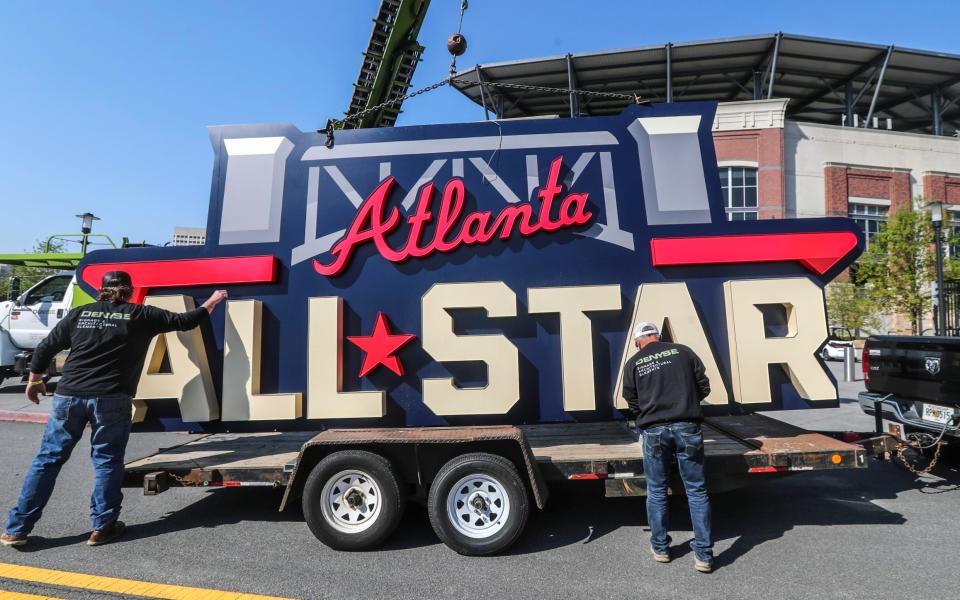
(901, 448)
(551, 90)
(333, 124)
(453, 57)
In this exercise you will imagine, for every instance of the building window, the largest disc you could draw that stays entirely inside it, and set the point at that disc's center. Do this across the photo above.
(951, 232)
(739, 187)
(870, 217)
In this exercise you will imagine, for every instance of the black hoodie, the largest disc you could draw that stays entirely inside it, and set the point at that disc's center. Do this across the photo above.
(108, 344)
(664, 383)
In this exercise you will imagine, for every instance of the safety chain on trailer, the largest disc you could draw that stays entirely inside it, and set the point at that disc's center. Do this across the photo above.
(333, 124)
(902, 447)
(917, 444)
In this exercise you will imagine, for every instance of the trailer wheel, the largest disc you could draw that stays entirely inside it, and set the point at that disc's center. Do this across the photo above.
(478, 504)
(352, 500)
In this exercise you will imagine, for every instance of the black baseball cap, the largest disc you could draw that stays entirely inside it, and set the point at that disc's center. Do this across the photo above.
(113, 279)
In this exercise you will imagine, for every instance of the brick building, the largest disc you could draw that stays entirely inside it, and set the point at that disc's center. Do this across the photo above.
(189, 236)
(795, 169)
(806, 127)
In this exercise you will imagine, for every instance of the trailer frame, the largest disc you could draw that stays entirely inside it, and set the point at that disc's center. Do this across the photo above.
(738, 448)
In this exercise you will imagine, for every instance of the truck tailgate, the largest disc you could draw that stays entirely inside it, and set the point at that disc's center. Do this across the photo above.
(914, 368)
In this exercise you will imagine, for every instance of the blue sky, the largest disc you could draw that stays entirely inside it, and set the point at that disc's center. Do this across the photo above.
(104, 105)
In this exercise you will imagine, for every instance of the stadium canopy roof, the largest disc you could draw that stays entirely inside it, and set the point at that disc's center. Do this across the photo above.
(825, 80)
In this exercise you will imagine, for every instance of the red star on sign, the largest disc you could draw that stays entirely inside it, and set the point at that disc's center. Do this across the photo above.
(380, 347)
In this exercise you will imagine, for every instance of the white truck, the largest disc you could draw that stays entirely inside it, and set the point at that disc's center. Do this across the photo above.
(26, 318)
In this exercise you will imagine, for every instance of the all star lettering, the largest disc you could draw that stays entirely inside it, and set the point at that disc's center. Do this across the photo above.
(374, 222)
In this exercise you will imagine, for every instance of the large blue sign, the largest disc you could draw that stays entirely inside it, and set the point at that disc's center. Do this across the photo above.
(480, 273)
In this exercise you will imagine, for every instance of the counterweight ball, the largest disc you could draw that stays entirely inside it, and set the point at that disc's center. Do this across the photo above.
(457, 44)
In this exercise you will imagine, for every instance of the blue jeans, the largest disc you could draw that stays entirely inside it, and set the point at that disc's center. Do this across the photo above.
(110, 419)
(661, 443)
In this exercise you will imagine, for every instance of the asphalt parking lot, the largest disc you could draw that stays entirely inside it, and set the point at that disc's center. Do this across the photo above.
(874, 533)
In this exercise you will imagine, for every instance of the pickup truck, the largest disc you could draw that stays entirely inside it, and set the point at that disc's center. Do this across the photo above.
(27, 318)
(915, 382)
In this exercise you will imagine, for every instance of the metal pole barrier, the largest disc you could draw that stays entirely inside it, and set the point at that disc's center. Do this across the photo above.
(941, 309)
(878, 415)
(849, 364)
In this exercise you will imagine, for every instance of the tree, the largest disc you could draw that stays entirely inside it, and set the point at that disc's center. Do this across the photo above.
(900, 263)
(30, 276)
(951, 264)
(851, 307)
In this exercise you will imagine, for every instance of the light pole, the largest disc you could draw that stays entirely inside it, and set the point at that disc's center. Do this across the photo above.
(86, 227)
(936, 215)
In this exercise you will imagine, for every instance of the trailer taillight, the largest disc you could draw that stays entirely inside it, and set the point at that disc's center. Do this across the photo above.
(767, 469)
(865, 361)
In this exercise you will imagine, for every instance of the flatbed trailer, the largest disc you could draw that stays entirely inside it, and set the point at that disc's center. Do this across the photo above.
(739, 450)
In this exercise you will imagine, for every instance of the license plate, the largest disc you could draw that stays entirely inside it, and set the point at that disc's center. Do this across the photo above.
(937, 414)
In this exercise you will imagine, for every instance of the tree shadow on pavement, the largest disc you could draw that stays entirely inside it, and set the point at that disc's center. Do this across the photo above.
(578, 513)
(749, 516)
(215, 508)
(212, 508)
(38, 543)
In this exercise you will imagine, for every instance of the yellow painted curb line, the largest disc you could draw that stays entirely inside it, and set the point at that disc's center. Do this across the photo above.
(129, 587)
(5, 595)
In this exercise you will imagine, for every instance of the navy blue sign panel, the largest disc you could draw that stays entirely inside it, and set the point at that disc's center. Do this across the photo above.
(385, 215)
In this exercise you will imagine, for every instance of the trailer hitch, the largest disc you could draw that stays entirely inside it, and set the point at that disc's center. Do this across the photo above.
(155, 483)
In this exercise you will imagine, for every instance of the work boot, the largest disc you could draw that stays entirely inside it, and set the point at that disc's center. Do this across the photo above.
(660, 558)
(13, 539)
(704, 566)
(107, 534)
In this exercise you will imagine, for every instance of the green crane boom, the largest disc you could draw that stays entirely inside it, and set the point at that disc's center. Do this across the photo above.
(389, 62)
(58, 260)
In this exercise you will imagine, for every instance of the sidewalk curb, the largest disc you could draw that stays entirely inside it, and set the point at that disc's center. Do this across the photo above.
(15, 416)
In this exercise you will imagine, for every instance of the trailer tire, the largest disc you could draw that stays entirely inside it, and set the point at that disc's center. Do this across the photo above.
(478, 504)
(352, 500)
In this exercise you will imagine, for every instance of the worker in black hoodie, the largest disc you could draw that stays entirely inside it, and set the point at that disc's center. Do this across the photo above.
(108, 342)
(664, 384)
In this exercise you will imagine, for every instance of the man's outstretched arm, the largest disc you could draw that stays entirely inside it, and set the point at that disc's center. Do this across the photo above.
(164, 320)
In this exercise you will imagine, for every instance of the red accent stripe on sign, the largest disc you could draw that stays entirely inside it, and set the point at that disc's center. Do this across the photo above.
(185, 273)
(819, 252)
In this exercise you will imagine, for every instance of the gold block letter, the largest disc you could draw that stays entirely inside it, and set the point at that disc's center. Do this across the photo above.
(576, 335)
(443, 395)
(242, 400)
(751, 350)
(670, 306)
(325, 398)
(189, 379)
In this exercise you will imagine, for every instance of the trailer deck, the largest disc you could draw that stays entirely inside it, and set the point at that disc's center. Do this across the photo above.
(735, 446)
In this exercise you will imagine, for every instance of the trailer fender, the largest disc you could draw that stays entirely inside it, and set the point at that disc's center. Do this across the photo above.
(418, 452)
